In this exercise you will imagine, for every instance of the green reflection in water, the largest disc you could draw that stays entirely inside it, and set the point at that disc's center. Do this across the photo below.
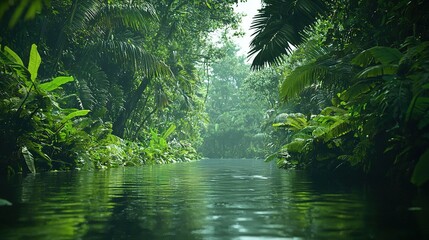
(223, 199)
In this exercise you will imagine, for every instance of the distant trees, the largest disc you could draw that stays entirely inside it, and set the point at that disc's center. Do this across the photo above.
(236, 106)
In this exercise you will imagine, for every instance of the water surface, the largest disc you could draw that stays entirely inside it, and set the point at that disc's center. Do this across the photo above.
(208, 199)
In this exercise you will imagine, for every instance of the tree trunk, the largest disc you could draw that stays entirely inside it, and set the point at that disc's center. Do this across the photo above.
(129, 106)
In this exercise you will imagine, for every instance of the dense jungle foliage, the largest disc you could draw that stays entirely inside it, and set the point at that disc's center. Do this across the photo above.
(354, 82)
(95, 84)
(338, 86)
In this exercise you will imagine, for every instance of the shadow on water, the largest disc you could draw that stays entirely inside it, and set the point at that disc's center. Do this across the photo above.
(209, 199)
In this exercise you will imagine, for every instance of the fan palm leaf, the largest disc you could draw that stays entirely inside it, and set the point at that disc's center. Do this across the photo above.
(278, 27)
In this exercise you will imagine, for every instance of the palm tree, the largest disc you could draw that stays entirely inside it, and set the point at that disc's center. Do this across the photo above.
(109, 60)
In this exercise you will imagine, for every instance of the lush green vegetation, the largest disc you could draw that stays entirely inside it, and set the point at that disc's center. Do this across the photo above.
(339, 86)
(107, 83)
(359, 70)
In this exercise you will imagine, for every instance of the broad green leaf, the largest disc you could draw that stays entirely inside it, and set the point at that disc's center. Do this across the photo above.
(169, 131)
(55, 83)
(78, 113)
(378, 70)
(421, 170)
(34, 62)
(13, 55)
(383, 55)
(29, 159)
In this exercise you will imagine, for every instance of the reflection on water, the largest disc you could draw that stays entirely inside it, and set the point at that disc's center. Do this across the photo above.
(209, 199)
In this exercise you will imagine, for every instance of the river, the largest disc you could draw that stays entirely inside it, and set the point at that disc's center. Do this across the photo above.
(207, 199)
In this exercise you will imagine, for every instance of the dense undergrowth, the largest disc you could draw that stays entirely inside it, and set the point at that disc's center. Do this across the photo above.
(39, 132)
(110, 83)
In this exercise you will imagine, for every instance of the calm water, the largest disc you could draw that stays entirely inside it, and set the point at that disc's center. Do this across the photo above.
(209, 199)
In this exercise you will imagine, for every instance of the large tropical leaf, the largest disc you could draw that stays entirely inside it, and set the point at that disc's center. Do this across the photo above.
(278, 27)
(12, 56)
(378, 70)
(10, 59)
(55, 83)
(34, 62)
(383, 55)
(76, 113)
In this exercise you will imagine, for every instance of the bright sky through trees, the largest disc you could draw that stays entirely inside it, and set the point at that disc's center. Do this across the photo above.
(249, 8)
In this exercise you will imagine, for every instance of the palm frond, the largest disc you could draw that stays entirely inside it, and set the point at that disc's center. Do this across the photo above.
(278, 27)
(83, 13)
(301, 78)
(97, 12)
(123, 50)
(130, 15)
(92, 84)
